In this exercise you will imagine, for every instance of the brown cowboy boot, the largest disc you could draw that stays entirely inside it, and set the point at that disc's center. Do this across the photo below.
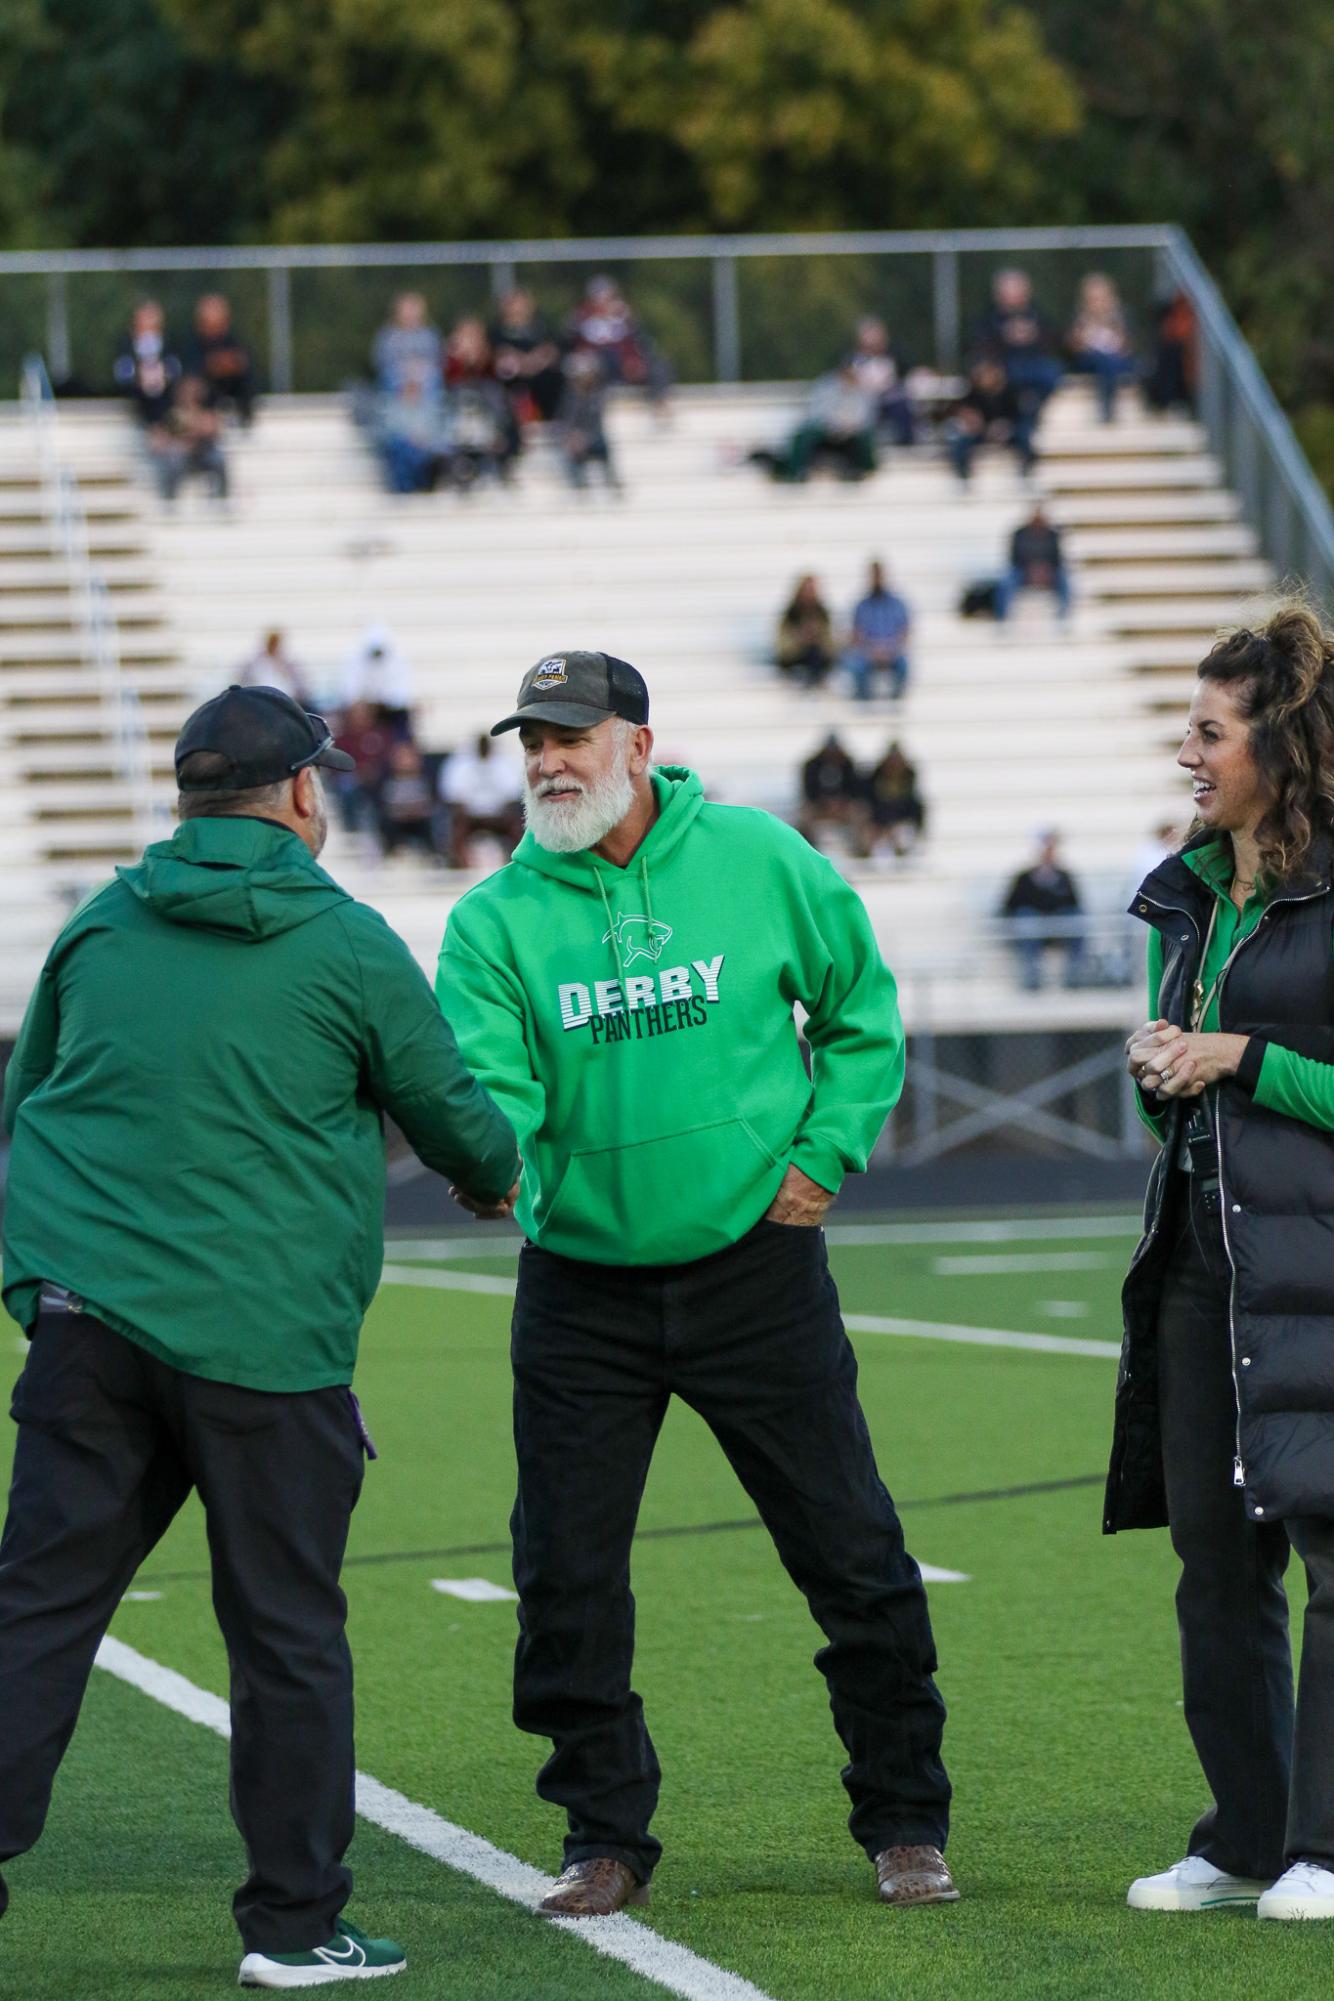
(593, 1889)
(914, 1876)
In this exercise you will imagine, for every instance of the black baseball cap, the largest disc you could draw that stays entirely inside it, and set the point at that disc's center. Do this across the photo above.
(264, 735)
(579, 690)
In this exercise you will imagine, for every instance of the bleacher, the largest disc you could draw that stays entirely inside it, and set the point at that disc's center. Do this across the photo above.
(1012, 728)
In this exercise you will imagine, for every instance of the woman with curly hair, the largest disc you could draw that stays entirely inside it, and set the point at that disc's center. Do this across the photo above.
(1225, 1401)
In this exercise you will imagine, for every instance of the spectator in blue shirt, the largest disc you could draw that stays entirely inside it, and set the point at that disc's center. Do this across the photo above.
(881, 624)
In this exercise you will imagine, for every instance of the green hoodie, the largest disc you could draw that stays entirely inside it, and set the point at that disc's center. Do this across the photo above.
(636, 1025)
(195, 1102)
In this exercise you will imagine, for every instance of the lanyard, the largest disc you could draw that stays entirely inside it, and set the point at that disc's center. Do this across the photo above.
(1200, 1001)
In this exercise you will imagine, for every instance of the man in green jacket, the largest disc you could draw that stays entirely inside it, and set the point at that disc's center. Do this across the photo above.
(193, 1232)
(626, 991)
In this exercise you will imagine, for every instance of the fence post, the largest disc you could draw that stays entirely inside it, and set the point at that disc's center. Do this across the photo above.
(503, 277)
(280, 329)
(945, 306)
(726, 321)
(57, 326)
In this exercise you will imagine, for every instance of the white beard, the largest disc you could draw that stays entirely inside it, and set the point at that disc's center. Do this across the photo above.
(581, 823)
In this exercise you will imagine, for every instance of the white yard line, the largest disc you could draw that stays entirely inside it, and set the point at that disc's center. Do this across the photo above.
(973, 1266)
(857, 1323)
(444, 1250)
(447, 1281)
(979, 1337)
(644, 1951)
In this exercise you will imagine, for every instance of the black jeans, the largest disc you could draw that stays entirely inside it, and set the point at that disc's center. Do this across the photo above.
(110, 1443)
(751, 1338)
(1273, 1795)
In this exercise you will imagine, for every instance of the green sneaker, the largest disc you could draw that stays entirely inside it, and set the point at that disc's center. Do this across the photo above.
(349, 1955)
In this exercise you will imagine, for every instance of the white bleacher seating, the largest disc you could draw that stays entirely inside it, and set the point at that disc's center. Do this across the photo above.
(1011, 728)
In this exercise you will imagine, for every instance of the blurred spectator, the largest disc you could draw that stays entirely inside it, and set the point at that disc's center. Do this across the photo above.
(368, 741)
(878, 643)
(832, 795)
(1165, 839)
(581, 416)
(988, 413)
(483, 430)
(604, 323)
(1020, 337)
(185, 442)
(1037, 563)
(407, 345)
(412, 432)
(145, 369)
(1171, 383)
(898, 816)
(1099, 341)
(271, 666)
(805, 647)
(377, 671)
(527, 359)
(838, 424)
(405, 804)
(219, 356)
(1042, 909)
(482, 792)
(878, 369)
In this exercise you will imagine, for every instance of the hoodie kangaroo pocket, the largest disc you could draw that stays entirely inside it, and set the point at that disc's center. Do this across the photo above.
(659, 1201)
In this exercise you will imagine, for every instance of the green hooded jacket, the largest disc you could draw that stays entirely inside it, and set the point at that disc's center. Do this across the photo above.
(195, 1104)
(637, 1027)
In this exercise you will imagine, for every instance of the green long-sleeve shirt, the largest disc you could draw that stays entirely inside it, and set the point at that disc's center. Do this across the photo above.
(1301, 1087)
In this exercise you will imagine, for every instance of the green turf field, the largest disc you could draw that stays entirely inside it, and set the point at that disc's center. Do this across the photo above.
(1071, 1765)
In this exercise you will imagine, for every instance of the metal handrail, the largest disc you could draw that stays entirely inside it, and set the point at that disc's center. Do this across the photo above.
(98, 631)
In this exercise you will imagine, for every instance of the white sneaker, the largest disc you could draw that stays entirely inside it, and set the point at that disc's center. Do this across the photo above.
(1195, 1885)
(1304, 1891)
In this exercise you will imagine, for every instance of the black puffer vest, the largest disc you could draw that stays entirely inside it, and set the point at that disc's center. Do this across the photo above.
(1277, 1187)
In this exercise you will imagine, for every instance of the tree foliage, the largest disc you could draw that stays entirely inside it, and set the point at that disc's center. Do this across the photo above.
(207, 121)
(429, 118)
(1214, 114)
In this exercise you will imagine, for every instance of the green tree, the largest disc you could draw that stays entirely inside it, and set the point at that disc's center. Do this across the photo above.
(115, 133)
(1215, 114)
(826, 114)
(406, 118)
(437, 118)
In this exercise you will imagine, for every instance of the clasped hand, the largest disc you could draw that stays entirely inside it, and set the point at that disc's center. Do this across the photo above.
(1170, 1062)
(486, 1212)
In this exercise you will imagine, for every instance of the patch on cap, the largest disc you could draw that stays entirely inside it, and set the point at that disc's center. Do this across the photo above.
(551, 673)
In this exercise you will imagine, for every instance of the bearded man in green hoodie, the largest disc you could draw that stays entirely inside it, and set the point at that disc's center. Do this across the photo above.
(193, 1233)
(626, 991)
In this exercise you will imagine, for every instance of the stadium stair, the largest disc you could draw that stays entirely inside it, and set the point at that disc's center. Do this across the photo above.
(1012, 728)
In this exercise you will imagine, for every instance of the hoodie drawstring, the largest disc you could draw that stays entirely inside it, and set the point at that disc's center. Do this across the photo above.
(611, 926)
(611, 921)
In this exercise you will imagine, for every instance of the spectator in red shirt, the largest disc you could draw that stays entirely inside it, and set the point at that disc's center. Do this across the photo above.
(604, 322)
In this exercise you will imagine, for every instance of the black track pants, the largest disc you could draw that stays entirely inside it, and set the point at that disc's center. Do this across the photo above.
(110, 1443)
(752, 1339)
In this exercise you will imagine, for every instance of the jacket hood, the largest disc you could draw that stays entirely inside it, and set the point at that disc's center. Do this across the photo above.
(679, 794)
(241, 878)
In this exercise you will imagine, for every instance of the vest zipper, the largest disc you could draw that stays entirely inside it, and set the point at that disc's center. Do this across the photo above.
(1238, 1465)
(1174, 910)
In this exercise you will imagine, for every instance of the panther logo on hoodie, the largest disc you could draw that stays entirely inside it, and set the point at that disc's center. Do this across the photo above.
(638, 937)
